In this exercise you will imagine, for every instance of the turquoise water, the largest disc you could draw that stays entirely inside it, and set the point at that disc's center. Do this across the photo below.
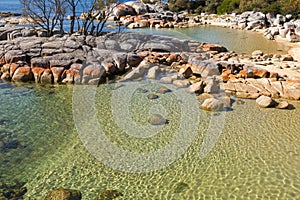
(246, 153)
(240, 41)
(253, 157)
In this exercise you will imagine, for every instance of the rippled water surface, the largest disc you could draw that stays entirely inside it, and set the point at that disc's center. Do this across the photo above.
(245, 153)
(256, 155)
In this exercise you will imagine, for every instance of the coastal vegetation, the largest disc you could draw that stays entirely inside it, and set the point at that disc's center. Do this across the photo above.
(238, 6)
(51, 15)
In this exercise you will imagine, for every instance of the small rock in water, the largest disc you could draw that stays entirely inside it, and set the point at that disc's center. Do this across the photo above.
(10, 144)
(15, 191)
(152, 96)
(282, 105)
(227, 101)
(257, 53)
(4, 134)
(265, 101)
(157, 119)
(108, 195)
(5, 122)
(142, 90)
(63, 194)
(163, 90)
(180, 187)
(240, 102)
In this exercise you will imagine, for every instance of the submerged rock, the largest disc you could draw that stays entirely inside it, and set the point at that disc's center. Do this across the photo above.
(8, 145)
(181, 187)
(152, 96)
(63, 194)
(157, 119)
(15, 191)
(163, 90)
(108, 195)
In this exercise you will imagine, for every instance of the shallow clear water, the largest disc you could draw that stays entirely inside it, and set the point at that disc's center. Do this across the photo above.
(240, 41)
(256, 155)
(246, 153)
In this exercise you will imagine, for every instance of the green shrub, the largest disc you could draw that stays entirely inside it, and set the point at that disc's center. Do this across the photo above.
(227, 6)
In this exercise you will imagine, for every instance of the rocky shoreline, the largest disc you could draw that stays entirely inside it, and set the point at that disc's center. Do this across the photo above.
(204, 69)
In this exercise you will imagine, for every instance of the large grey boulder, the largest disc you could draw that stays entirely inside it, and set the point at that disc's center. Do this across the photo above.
(203, 67)
(94, 72)
(53, 45)
(120, 60)
(154, 72)
(139, 7)
(26, 32)
(134, 60)
(138, 72)
(14, 56)
(212, 85)
(159, 7)
(27, 44)
(123, 10)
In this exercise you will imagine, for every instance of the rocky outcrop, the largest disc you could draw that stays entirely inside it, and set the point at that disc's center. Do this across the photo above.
(153, 15)
(65, 60)
(108, 195)
(197, 67)
(272, 26)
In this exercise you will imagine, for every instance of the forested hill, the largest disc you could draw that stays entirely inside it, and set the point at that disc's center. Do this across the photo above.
(229, 6)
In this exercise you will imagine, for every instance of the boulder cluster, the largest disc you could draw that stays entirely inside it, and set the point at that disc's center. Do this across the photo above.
(141, 15)
(285, 26)
(204, 69)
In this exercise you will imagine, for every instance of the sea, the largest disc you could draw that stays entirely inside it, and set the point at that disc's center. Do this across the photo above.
(13, 6)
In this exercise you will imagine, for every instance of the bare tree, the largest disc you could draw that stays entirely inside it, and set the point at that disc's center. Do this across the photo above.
(61, 9)
(73, 4)
(50, 14)
(96, 14)
(47, 14)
